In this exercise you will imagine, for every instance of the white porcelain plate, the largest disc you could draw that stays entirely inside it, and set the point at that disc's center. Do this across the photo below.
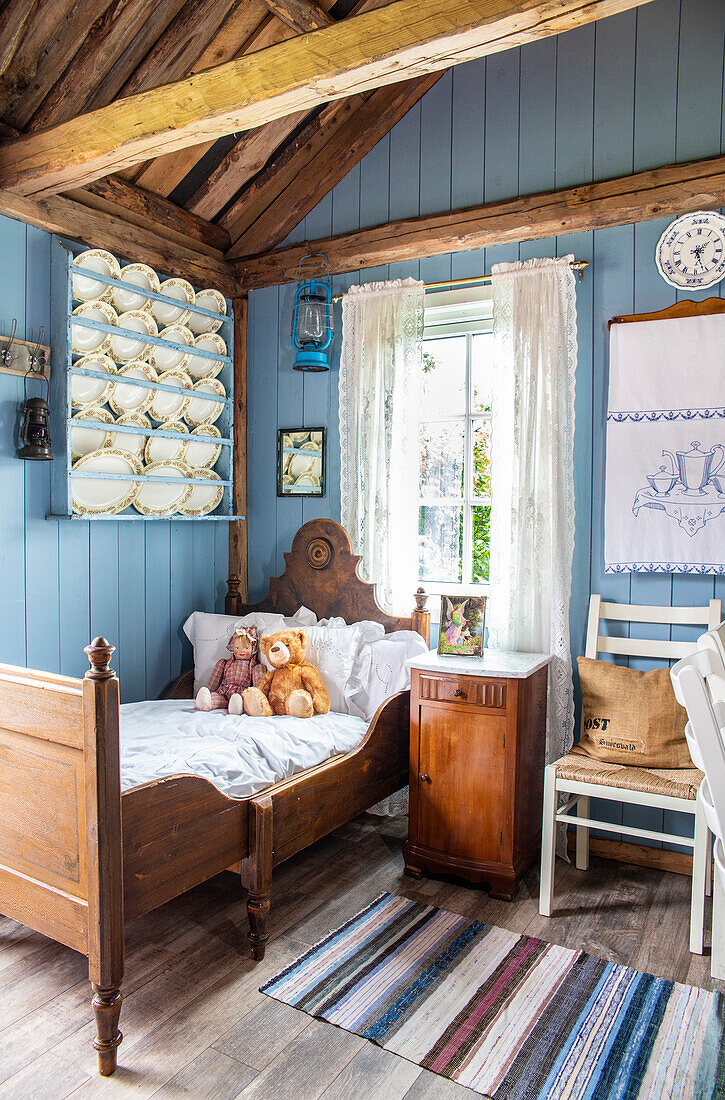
(125, 348)
(162, 497)
(204, 498)
(198, 366)
(100, 497)
(87, 289)
(212, 300)
(92, 391)
(129, 441)
(201, 411)
(85, 339)
(167, 314)
(160, 449)
(170, 406)
(85, 440)
(203, 454)
(170, 358)
(132, 398)
(142, 276)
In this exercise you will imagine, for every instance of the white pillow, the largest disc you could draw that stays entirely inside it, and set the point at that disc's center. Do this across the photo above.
(333, 650)
(210, 634)
(380, 670)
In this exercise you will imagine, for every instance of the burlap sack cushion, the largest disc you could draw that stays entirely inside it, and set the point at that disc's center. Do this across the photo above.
(631, 717)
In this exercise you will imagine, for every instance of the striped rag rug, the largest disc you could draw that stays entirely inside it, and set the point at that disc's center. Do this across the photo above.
(511, 1017)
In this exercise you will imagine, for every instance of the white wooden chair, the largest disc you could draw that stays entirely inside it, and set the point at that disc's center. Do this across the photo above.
(582, 778)
(699, 683)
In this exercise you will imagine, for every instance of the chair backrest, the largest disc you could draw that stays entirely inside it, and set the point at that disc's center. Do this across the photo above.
(698, 681)
(708, 616)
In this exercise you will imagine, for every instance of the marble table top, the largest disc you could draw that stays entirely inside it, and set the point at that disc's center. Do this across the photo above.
(501, 663)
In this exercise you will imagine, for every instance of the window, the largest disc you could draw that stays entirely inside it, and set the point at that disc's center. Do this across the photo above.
(455, 441)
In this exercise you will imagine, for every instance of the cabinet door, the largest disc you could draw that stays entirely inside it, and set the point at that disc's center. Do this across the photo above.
(462, 805)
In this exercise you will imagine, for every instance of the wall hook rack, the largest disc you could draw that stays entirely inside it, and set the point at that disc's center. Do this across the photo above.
(24, 357)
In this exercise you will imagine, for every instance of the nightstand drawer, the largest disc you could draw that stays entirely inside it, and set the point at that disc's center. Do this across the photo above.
(458, 689)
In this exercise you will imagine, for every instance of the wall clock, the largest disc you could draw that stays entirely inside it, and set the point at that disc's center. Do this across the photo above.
(691, 251)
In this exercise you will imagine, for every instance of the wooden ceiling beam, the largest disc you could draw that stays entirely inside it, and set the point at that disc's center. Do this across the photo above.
(58, 214)
(660, 192)
(301, 15)
(394, 43)
(284, 194)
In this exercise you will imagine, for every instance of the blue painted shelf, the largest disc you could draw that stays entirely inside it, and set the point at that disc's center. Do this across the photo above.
(62, 303)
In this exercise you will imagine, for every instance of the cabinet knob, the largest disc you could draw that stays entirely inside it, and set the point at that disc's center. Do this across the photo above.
(425, 778)
(459, 692)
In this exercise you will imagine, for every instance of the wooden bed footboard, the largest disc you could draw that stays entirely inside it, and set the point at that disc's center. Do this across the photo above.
(60, 822)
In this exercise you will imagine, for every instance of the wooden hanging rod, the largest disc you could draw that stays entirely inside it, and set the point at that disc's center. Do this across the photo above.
(478, 280)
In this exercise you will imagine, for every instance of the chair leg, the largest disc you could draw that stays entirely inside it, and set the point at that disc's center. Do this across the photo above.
(700, 859)
(717, 961)
(582, 835)
(548, 842)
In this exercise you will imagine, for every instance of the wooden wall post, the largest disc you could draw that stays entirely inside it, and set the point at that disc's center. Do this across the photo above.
(237, 585)
(104, 849)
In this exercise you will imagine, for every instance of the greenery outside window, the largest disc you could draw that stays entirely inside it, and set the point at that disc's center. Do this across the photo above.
(455, 442)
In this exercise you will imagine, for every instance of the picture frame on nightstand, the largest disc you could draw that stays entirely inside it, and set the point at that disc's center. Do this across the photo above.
(462, 623)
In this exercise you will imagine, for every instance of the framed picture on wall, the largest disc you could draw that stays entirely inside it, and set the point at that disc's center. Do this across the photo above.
(462, 621)
(301, 460)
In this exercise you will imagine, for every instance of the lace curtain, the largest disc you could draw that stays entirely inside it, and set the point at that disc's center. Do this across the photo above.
(380, 370)
(532, 514)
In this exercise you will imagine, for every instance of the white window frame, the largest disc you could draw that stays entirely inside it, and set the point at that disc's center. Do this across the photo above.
(467, 312)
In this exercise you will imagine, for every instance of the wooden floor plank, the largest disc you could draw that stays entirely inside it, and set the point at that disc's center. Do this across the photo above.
(210, 1076)
(307, 1065)
(260, 1036)
(375, 1074)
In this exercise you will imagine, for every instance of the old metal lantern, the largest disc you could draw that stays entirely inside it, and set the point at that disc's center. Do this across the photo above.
(312, 316)
(35, 429)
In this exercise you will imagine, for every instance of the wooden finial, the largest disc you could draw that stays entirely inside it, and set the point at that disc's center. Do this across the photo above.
(99, 654)
(421, 598)
(233, 583)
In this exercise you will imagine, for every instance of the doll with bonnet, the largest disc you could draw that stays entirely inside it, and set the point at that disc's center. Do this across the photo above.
(232, 675)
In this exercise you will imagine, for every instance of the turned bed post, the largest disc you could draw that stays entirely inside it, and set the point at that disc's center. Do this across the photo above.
(104, 852)
(257, 873)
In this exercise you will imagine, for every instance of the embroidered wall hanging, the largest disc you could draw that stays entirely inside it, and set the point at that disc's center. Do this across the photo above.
(665, 466)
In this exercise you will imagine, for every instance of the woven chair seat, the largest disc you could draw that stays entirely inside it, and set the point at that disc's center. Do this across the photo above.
(675, 782)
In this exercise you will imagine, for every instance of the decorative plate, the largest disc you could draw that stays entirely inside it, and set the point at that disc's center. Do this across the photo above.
(85, 440)
(171, 358)
(204, 498)
(166, 314)
(92, 391)
(125, 348)
(84, 339)
(160, 449)
(200, 411)
(199, 367)
(142, 276)
(126, 441)
(213, 300)
(159, 497)
(96, 497)
(202, 454)
(136, 399)
(86, 289)
(170, 406)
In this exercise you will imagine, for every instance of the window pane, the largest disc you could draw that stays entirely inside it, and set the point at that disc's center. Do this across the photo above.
(440, 541)
(482, 458)
(481, 527)
(444, 377)
(441, 459)
(481, 369)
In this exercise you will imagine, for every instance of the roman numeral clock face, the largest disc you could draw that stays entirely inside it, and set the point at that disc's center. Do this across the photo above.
(691, 252)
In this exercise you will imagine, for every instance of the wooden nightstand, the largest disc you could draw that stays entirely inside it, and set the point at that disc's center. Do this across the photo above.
(477, 741)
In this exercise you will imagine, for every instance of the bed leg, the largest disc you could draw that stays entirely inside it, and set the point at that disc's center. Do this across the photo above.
(257, 874)
(107, 1009)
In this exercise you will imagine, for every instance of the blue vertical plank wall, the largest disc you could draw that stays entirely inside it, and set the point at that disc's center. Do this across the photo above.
(637, 90)
(63, 582)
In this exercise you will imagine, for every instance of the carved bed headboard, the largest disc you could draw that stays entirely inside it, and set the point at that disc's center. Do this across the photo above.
(321, 573)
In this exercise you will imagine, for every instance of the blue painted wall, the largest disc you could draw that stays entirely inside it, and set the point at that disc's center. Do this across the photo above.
(631, 92)
(63, 582)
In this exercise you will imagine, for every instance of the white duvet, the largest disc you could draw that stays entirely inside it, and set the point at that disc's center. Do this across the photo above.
(238, 754)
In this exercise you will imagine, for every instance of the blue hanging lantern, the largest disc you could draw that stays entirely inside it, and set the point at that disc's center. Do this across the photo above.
(312, 316)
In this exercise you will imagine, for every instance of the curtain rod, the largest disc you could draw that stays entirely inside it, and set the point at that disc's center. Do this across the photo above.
(478, 280)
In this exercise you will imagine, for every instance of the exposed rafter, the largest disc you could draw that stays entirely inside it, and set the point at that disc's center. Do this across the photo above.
(657, 193)
(301, 15)
(394, 43)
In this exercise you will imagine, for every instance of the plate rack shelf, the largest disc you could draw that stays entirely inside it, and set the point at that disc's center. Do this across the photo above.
(63, 474)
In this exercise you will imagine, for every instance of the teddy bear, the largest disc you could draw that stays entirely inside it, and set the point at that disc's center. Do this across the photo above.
(292, 686)
(232, 675)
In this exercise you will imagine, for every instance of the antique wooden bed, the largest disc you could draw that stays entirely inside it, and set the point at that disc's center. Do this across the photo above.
(78, 857)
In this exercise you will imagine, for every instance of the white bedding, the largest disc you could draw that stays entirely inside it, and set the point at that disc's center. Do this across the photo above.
(238, 754)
